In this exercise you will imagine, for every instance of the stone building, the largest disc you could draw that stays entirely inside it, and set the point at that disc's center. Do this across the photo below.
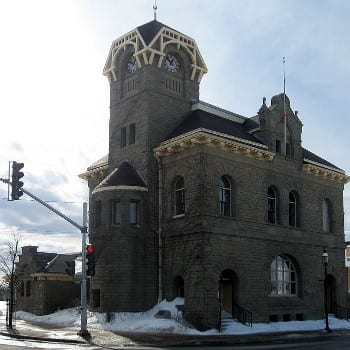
(231, 213)
(44, 284)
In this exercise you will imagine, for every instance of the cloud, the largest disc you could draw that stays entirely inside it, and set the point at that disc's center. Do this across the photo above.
(55, 100)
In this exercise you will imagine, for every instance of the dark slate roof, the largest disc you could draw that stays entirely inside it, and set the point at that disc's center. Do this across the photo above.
(42, 259)
(124, 175)
(201, 119)
(149, 30)
(311, 156)
(53, 263)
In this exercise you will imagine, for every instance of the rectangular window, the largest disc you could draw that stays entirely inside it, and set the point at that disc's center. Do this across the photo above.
(116, 213)
(278, 146)
(131, 134)
(97, 214)
(123, 137)
(96, 297)
(28, 289)
(21, 289)
(288, 150)
(134, 213)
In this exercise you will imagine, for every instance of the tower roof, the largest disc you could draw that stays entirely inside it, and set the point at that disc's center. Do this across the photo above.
(125, 175)
(149, 30)
(150, 42)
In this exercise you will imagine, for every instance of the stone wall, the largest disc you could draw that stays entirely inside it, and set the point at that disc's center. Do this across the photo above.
(202, 244)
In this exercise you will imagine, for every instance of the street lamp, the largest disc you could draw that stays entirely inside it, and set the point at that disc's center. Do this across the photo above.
(325, 264)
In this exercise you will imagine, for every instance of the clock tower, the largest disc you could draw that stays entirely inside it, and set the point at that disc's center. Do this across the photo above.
(154, 73)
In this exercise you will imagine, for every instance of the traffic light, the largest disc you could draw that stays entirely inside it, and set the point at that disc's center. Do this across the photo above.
(16, 183)
(90, 260)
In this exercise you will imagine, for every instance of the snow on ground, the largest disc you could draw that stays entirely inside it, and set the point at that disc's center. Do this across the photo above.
(146, 322)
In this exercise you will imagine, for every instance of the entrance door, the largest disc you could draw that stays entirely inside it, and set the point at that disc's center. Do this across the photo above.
(227, 290)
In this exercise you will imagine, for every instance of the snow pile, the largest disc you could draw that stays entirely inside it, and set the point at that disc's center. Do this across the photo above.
(147, 322)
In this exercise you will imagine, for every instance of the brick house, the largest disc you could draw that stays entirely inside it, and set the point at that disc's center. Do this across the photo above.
(195, 201)
(44, 285)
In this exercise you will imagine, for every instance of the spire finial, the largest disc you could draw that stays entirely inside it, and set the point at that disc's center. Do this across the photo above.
(284, 108)
(155, 9)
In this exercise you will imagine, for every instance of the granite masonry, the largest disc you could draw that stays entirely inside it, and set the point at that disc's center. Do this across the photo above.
(228, 212)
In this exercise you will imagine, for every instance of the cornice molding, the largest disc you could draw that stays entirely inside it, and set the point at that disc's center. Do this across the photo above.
(119, 187)
(326, 173)
(95, 173)
(216, 140)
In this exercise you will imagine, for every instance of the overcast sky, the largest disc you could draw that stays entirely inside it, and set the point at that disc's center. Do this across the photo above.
(54, 105)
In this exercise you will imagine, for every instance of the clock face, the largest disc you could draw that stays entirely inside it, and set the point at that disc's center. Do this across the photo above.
(171, 63)
(132, 65)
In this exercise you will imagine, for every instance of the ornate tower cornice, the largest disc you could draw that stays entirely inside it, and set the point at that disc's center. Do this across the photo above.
(149, 42)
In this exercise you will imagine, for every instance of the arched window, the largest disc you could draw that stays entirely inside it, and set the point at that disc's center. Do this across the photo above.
(283, 277)
(326, 215)
(293, 210)
(225, 196)
(179, 196)
(271, 206)
(279, 132)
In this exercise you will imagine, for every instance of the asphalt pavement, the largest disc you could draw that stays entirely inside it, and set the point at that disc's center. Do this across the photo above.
(104, 338)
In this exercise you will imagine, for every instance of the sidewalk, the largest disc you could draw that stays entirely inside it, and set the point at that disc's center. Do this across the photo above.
(103, 338)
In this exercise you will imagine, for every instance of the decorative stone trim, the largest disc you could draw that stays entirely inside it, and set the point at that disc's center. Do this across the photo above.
(52, 277)
(326, 172)
(216, 140)
(147, 54)
(120, 187)
(95, 173)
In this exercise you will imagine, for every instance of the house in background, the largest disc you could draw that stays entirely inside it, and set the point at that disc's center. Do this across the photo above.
(347, 265)
(46, 281)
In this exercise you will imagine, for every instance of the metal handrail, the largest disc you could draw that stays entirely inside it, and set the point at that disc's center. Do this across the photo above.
(243, 315)
(341, 311)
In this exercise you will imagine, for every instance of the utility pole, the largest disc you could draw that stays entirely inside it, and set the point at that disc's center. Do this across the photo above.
(83, 229)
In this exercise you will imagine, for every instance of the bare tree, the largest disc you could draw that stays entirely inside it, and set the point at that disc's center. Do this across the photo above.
(8, 258)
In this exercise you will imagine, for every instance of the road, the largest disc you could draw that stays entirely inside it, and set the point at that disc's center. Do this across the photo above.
(338, 342)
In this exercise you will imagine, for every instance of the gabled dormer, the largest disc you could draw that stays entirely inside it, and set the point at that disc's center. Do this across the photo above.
(279, 127)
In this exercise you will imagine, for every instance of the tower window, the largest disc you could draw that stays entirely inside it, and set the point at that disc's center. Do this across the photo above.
(225, 196)
(173, 84)
(134, 213)
(97, 206)
(127, 135)
(131, 134)
(123, 137)
(116, 215)
(180, 196)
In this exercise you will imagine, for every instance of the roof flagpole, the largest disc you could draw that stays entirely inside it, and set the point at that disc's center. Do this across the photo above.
(284, 109)
(155, 9)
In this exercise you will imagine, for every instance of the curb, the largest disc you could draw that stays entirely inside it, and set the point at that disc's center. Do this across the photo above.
(31, 337)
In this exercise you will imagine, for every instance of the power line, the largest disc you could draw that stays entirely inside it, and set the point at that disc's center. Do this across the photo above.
(32, 200)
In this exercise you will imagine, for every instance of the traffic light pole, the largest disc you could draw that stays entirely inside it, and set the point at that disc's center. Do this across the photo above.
(83, 229)
(83, 321)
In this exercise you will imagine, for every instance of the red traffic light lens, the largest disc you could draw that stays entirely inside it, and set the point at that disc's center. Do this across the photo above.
(90, 249)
